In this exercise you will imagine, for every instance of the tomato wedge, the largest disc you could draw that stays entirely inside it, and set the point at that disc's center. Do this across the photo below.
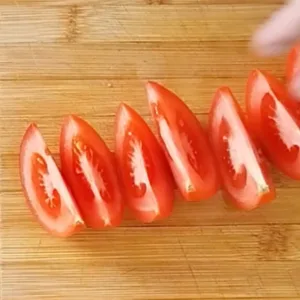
(246, 180)
(143, 166)
(293, 68)
(293, 62)
(47, 195)
(185, 143)
(90, 170)
(273, 122)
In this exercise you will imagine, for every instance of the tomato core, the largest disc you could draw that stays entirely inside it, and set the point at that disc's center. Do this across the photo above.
(47, 194)
(193, 152)
(277, 130)
(236, 172)
(139, 165)
(89, 171)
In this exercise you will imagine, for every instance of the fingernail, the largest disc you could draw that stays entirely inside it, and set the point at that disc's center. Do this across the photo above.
(294, 87)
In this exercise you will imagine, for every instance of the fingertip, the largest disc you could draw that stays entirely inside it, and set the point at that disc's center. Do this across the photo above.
(261, 46)
(265, 43)
(279, 32)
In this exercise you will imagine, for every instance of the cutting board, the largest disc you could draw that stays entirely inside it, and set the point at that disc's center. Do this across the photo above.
(85, 57)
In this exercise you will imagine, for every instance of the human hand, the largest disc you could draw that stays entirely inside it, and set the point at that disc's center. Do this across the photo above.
(278, 34)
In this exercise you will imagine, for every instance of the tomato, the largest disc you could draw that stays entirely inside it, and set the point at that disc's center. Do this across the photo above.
(273, 122)
(293, 68)
(46, 192)
(185, 144)
(246, 180)
(90, 170)
(145, 173)
(293, 62)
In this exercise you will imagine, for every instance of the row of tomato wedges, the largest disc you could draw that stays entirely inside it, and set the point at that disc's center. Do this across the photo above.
(93, 184)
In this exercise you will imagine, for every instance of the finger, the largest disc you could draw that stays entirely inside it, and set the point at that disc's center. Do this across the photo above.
(280, 32)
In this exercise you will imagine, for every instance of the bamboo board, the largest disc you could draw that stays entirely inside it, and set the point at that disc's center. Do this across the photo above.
(84, 57)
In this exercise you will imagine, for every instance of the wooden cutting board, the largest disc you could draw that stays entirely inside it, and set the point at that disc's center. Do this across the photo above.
(84, 57)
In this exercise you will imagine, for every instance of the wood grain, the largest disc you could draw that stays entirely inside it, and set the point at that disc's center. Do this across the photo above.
(147, 60)
(72, 56)
(114, 3)
(95, 22)
(103, 96)
(139, 259)
(283, 210)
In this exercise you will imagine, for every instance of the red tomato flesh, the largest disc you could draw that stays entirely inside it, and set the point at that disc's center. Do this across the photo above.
(293, 68)
(273, 121)
(246, 180)
(185, 143)
(47, 194)
(293, 62)
(143, 166)
(90, 170)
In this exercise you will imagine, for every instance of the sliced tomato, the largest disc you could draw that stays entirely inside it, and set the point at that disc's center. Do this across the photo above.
(293, 62)
(246, 180)
(90, 170)
(185, 143)
(46, 192)
(293, 69)
(145, 172)
(273, 121)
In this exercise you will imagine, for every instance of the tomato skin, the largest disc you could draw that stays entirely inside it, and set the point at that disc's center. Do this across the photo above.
(273, 121)
(293, 69)
(185, 144)
(89, 168)
(36, 161)
(246, 180)
(293, 62)
(145, 173)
